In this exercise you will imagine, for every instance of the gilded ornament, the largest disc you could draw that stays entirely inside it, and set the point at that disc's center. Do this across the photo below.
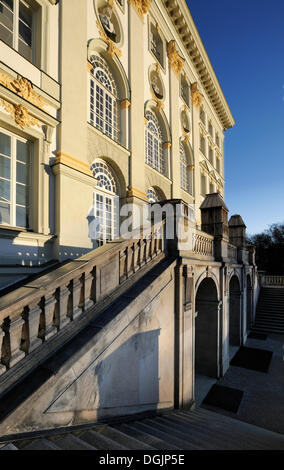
(22, 87)
(196, 96)
(20, 114)
(175, 60)
(141, 6)
(112, 49)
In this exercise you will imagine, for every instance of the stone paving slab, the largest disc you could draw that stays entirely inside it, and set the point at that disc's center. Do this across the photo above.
(263, 399)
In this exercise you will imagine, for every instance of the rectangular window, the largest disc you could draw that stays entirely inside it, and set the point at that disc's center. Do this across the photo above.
(16, 26)
(15, 180)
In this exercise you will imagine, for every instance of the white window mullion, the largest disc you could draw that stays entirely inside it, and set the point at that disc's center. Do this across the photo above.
(13, 181)
(16, 25)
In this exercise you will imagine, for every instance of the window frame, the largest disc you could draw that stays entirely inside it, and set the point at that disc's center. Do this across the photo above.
(37, 33)
(13, 181)
(106, 95)
(157, 141)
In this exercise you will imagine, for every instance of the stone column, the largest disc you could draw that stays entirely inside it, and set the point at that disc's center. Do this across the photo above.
(137, 126)
(184, 333)
(174, 74)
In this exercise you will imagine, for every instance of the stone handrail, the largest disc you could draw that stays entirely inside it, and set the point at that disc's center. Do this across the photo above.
(272, 281)
(203, 243)
(36, 312)
(232, 252)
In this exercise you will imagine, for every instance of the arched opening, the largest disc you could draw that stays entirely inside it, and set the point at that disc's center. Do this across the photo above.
(206, 330)
(249, 303)
(235, 312)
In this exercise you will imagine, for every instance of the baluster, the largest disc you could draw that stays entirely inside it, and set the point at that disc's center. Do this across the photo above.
(12, 341)
(142, 252)
(77, 292)
(122, 265)
(48, 328)
(32, 316)
(62, 317)
(2, 367)
(90, 288)
(130, 260)
(136, 256)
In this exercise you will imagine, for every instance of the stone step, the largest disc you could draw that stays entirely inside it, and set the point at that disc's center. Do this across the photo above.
(219, 436)
(71, 442)
(100, 442)
(145, 437)
(41, 444)
(182, 438)
(128, 441)
(269, 439)
(229, 432)
(263, 329)
(160, 434)
(198, 435)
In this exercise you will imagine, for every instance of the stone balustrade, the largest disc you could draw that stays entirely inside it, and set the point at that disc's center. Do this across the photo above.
(203, 243)
(232, 252)
(36, 312)
(277, 281)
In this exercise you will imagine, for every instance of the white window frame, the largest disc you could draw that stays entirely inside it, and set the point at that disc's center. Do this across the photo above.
(15, 32)
(155, 159)
(112, 197)
(106, 94)
(13, 180)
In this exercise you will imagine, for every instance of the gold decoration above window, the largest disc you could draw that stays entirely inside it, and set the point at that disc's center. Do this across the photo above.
(22, 87)
(20, 114)
(112, 49)
(141, 6)
(197, 97)
(175, 60)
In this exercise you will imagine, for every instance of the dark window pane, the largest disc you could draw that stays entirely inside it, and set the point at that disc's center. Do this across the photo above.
(22, 152)
(25, 14)
(21, 217)
(7, 4)
(4, 213)
(6, 36)
(5, 144)
(5, 164)
(25, 33)
(6, 17)
(21, 173)
(25, 51)
(21, 194)
(4, 190)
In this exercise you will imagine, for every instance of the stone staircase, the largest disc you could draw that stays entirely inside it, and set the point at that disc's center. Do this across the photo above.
(270, 310)
(199, 429)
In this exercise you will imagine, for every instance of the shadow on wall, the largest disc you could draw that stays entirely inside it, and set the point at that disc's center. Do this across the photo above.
(129, 376)
(123, 382)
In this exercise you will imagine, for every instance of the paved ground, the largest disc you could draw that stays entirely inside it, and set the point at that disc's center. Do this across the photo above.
(263, 400)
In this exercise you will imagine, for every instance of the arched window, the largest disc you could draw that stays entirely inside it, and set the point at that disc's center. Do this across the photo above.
(154, 144)
(153, 195)
(105, 213)
(104, 99)
(184, 176)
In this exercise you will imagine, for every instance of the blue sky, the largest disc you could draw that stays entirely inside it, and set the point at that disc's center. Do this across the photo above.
(245, 43)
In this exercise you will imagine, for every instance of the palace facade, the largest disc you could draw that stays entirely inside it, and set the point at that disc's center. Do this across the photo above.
(103, 103)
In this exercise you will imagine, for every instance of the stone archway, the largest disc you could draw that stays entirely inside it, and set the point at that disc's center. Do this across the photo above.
(206, 329)
(235, 312)
(249, 303)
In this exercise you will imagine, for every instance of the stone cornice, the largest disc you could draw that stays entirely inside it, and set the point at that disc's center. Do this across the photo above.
(184, 24)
